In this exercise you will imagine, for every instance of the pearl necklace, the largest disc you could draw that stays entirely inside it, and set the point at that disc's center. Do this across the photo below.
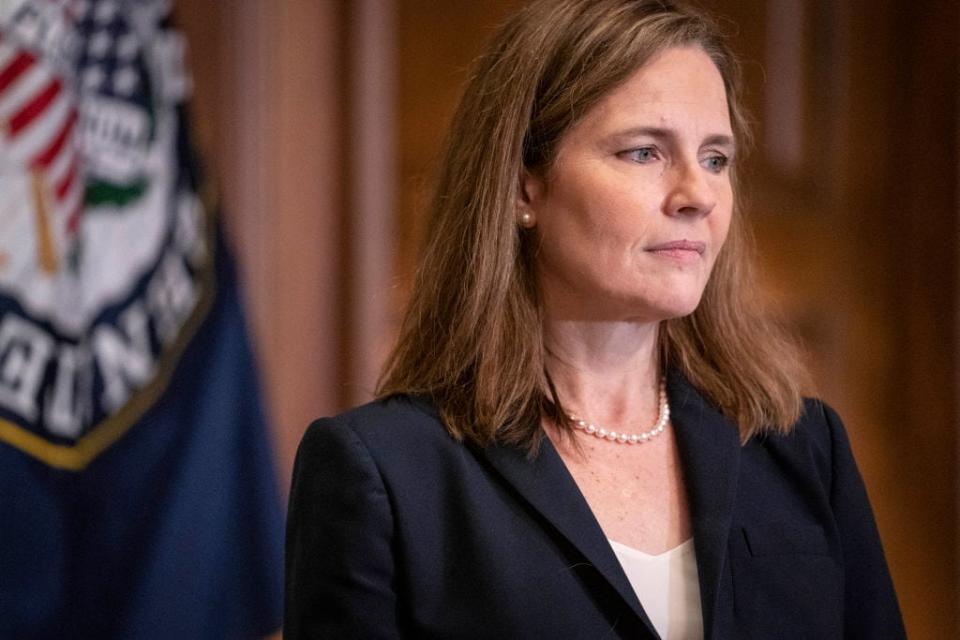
(628, 438)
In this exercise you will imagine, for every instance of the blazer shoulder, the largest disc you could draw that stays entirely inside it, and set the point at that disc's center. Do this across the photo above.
(394, 422)
(815, 421)
(812, 441)
(821, 424)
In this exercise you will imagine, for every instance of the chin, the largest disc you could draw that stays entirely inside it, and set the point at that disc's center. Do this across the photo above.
(678, 312)
(681, 299)
(647, 310)
(678, 307)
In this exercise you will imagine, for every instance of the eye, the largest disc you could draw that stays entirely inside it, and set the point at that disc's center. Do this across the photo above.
(716, 163)
(641, 155)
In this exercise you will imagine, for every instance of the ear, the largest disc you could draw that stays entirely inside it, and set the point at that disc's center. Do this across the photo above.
(530, 191)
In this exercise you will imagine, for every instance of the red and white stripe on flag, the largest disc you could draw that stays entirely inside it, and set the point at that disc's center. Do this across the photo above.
(39, 132)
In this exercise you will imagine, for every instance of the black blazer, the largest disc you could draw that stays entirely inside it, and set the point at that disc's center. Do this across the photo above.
(396, 530)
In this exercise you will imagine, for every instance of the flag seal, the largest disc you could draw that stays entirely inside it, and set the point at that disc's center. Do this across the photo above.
(106, 247)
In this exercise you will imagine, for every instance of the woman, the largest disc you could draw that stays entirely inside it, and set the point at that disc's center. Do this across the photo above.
(587, 428)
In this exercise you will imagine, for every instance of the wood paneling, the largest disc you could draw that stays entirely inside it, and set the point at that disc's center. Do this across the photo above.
(269, 112)
(437, 43)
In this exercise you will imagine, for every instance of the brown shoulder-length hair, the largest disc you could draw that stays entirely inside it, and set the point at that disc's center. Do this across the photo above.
(472, 337)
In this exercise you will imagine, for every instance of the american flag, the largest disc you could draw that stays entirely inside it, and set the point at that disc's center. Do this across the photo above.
(39, 134)
(111, 55)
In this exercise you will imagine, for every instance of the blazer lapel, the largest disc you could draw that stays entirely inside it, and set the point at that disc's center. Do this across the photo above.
(546, 484)
(710, 453)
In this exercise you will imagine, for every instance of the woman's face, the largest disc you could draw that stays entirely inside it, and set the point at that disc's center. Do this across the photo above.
(631, 216)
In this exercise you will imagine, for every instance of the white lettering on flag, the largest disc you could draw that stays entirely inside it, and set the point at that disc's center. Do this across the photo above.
(68, 406)
(126, 361)
(24, 353)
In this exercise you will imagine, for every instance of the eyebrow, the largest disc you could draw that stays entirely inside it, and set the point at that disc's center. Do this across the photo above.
(716, 139)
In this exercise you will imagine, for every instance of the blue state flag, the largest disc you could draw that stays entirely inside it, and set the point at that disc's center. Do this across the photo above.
(138, 498)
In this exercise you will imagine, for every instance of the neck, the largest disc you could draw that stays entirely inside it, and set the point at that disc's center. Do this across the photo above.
(608, 371)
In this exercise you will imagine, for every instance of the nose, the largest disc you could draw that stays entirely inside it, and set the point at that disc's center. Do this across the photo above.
(689, 191)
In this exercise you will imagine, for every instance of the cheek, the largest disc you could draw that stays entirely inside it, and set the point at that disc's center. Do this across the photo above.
(720, 229)
(623, 219)
(722, 219)
(594, 216)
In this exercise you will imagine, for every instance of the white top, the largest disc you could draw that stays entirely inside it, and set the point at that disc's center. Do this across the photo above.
(667, 587)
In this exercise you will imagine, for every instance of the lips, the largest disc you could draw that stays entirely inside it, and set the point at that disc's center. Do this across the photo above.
(679, 247)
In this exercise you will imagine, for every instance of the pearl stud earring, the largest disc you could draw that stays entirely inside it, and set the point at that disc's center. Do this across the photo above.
(526, 219)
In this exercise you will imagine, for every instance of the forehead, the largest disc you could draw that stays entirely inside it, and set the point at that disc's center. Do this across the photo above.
(679, 87)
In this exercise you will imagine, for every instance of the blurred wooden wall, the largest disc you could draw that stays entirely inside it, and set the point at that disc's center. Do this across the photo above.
(322, 120)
